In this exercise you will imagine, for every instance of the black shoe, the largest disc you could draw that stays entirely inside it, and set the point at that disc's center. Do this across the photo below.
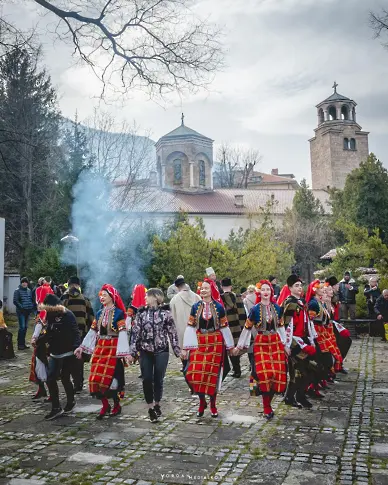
(153, 415)
(237, 375)
(53, 414)
(291, 401)
(304, 402)
(69, 407)
(39, 395)
(157, 410)
(140, 376)
(269, 416)
(21, 347)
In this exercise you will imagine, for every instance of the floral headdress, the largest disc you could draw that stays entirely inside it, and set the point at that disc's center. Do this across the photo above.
(115, 295)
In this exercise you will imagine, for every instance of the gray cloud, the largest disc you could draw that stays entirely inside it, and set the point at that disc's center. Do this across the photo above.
(283, 56)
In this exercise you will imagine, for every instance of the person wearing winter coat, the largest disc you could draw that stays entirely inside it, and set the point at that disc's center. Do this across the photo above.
(347, 292)
(180, 306)
(250, 299)
(172, 290)
(22, 299)
(62, 335)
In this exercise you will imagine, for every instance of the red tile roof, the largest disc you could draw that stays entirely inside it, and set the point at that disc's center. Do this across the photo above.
(220, 201)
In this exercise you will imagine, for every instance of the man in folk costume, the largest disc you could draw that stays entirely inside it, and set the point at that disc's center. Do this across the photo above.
(80, 306)
(235, 313)
(181, 305)
(206, 340)
(107, 341)
(300, 338)
(269, 348)
(319, 315)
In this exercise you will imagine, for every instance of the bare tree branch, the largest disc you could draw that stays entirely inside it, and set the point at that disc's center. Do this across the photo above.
(153, 45)
(379, 24)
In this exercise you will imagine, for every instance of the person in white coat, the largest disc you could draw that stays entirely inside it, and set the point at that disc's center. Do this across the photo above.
(180, 307)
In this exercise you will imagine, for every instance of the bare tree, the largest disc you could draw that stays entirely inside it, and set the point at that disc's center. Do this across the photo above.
(235, 166)
(379, 24)
(158, 46)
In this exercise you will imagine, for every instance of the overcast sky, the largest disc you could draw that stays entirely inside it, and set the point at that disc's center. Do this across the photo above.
(283, 57)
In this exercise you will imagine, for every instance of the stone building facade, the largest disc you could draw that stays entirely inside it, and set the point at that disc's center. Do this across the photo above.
(339, 144)
(185, 160)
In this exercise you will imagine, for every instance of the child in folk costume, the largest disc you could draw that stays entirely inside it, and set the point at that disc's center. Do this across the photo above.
(207, 338)
(39, 360)
(269, 348)
(107, 341)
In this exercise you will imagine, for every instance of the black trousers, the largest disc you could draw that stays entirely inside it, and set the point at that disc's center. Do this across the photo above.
(235, 361)
(153, 369)
(63, 369)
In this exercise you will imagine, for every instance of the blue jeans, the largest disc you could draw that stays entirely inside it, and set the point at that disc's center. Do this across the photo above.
(23, 316)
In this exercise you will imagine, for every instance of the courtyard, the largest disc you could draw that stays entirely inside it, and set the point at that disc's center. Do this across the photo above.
(342, 440)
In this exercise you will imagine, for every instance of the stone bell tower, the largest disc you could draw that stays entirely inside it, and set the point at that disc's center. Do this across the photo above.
(185, 160)
(339, 144)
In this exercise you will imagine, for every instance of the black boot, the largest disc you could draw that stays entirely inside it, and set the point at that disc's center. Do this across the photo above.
(301, 399)
(290, 400)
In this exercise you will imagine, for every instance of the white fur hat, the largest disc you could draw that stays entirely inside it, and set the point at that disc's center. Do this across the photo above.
(210, 271)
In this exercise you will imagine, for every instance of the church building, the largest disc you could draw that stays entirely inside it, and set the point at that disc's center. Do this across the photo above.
(184, 180)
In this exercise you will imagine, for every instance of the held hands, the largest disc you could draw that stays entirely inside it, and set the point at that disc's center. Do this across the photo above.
(234, 352)
(78, 353)
(130, 359)
(287, 351)
(184, 354)
(379, 317)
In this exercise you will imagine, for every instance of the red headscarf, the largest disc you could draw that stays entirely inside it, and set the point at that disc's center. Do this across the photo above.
(215, 293)
(115, 295)
(139, 296)
(258, 294)
(284, 294)
(312, 289)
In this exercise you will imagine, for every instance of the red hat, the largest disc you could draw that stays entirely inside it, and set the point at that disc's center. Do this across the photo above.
(139, 296)
(115, 295)
(313, 286)
(215, 293)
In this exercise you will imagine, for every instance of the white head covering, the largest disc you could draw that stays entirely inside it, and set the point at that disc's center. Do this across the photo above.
(210, 271)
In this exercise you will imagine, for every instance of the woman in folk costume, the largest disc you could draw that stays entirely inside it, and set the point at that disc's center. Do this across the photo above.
(107, 341)
(207, 338)
(342, 334)
(320, 317)
(334, 350)
(269, 348)
(39, 361)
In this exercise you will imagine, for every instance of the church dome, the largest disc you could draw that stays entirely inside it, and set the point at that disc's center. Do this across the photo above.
(184, 131)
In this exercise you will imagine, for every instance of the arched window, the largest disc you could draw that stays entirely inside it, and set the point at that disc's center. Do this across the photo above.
(332, 113)
(344, 113)
(346, 143)
(352, 144)
(354, 114)
(177, 172)
(321, 116)
(202, 174)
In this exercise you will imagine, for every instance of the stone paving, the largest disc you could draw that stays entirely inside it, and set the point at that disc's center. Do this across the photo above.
(342, 440)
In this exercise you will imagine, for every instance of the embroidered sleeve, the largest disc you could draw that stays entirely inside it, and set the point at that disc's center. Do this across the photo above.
(245, 338)
(190, 340)
(94, 325)
(224, 322)
(193, 315)
(313, 309)
(121, 325)
(279, 312)
(89, 342)
(228, 337)
(122, 344)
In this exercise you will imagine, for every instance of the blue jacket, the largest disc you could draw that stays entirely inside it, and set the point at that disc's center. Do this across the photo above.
(22, 299)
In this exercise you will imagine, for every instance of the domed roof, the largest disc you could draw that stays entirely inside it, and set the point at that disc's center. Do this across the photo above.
(184, 131)
(335, 97)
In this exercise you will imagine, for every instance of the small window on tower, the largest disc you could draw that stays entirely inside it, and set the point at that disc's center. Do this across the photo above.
(346, 143)
(177, 172)
(332, 113)
(202, 174)
(352, 144)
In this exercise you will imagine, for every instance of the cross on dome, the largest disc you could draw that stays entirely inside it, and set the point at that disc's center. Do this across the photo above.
(335, 85)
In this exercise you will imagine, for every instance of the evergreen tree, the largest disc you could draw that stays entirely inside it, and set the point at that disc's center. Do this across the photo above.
(28, 153)
(364, 199)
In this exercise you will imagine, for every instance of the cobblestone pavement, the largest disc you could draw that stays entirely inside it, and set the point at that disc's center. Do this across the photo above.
(342, 440)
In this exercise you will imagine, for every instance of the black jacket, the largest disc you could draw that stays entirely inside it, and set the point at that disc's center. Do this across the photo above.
(381, 308)
(347, 295)
(61, 333)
